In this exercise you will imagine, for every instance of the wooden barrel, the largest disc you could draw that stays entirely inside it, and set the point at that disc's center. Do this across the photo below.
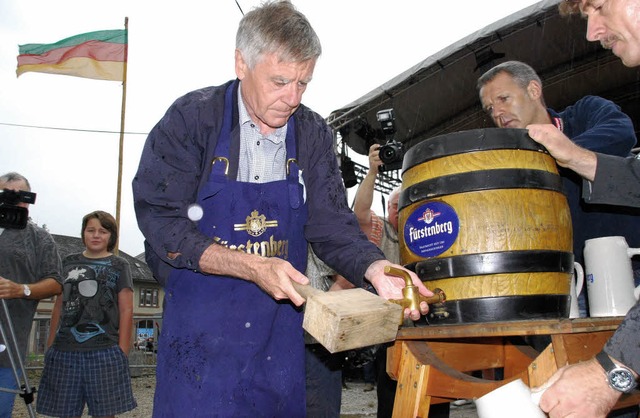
(482, 216)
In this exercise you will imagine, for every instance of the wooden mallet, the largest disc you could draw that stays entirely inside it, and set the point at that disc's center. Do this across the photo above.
(353, 318)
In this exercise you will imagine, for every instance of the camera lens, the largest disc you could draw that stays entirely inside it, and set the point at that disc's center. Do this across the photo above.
(387, 154)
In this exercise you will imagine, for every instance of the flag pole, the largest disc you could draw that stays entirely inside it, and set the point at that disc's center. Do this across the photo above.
(122, 113)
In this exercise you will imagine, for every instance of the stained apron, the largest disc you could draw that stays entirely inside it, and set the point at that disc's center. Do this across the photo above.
(227, 348)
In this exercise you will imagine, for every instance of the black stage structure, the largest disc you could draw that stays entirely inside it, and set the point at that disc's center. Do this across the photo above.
(439, 96)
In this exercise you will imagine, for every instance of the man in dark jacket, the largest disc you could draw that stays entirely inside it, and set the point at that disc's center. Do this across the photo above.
(232, 184)
(511, 94)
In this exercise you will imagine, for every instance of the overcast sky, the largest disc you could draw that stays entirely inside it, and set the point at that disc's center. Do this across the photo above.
(66, 141)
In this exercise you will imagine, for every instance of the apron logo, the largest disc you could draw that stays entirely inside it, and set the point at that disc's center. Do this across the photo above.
(255, 224)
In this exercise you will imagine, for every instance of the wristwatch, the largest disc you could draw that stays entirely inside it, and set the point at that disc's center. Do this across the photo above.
(26, 290)
(620, 378)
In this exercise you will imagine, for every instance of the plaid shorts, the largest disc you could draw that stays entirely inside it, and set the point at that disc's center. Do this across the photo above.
(100, 379)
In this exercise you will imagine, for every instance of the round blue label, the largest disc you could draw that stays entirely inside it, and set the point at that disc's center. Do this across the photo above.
(431, 229)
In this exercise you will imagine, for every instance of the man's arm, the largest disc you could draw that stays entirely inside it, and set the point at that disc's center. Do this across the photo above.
(564, 150)
(579, 390)
(272, 274)
(172, 164)
(40, 290)
(616, 182)
(125, 311)
(55, 320)
(582, 388)
(609, 179)
(364, 196)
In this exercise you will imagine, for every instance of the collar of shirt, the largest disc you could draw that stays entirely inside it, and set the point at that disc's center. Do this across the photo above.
(558, 123)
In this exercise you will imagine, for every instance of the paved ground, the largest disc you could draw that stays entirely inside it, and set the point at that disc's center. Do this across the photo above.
(356, 403)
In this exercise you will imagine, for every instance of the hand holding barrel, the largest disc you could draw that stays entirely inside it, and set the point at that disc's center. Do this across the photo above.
(567, 153)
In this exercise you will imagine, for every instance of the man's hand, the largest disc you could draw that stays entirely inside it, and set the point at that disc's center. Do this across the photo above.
(272, 274)
(564, 150)
(10, 290)
(579, 390)
(390, 287)
(374, 159)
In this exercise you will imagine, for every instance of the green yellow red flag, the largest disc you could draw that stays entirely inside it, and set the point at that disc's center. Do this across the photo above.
(100, 55)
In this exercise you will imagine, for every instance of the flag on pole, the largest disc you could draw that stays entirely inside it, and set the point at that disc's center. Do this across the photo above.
(101, 55)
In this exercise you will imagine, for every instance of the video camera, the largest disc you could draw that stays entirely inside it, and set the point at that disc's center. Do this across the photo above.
(392, 152)
(12, 216)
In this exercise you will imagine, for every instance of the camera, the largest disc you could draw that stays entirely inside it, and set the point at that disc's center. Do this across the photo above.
(392, 152)
(12, 216)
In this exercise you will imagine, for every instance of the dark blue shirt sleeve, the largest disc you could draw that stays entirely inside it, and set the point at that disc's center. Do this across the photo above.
(599, 125)
(167, 182)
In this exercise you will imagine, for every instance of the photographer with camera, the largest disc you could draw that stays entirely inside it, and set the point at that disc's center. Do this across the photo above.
(392, 152)
(29, 271)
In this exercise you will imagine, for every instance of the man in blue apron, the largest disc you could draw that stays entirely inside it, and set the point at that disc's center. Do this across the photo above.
(232, 184)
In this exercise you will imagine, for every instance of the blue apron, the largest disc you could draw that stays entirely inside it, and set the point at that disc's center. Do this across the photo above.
(227, 348)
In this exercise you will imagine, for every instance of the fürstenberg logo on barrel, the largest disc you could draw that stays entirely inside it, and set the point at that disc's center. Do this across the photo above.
(431, 229)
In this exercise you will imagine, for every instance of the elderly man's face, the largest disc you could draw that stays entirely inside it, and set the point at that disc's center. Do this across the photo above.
(508, 104)
(616, 25)
(273, 89)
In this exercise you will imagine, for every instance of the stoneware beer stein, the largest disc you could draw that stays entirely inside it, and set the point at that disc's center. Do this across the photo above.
(577, 282)
(511, 400)
(609, 276)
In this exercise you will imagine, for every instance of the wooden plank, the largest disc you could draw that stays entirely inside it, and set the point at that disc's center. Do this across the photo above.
(509, 328)
(348, 319)
(583, 346)
(394, 357)
(411, 384)
(543, 367)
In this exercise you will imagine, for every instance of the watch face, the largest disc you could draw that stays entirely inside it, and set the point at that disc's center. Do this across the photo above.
(621, 379)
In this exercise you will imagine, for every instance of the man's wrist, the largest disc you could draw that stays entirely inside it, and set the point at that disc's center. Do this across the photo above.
(26, 291)
(619, 377)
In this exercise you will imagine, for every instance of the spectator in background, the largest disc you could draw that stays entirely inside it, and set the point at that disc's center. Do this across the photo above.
(90, 333)
(29, 271)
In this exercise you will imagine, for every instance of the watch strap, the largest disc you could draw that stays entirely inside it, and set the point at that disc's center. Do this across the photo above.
(605, 361)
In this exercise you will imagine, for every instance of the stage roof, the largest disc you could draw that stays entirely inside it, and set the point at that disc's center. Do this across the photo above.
(438, 95)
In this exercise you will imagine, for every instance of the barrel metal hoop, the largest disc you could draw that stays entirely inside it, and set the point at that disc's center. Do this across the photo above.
(507, 178)
(498, 309)
(523, 261)
(473, 140)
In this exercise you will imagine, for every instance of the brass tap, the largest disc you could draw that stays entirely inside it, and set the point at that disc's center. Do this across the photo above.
(411, 296)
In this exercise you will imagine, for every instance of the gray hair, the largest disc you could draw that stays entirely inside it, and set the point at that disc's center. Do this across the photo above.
(13, 176)
(277, 27)
(521, 73)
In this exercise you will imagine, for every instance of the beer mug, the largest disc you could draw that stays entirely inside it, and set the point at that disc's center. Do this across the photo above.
(609, 276)
(511, 400)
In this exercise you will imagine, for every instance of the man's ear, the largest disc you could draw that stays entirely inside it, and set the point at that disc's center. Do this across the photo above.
(534, 90)
(241, 65)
